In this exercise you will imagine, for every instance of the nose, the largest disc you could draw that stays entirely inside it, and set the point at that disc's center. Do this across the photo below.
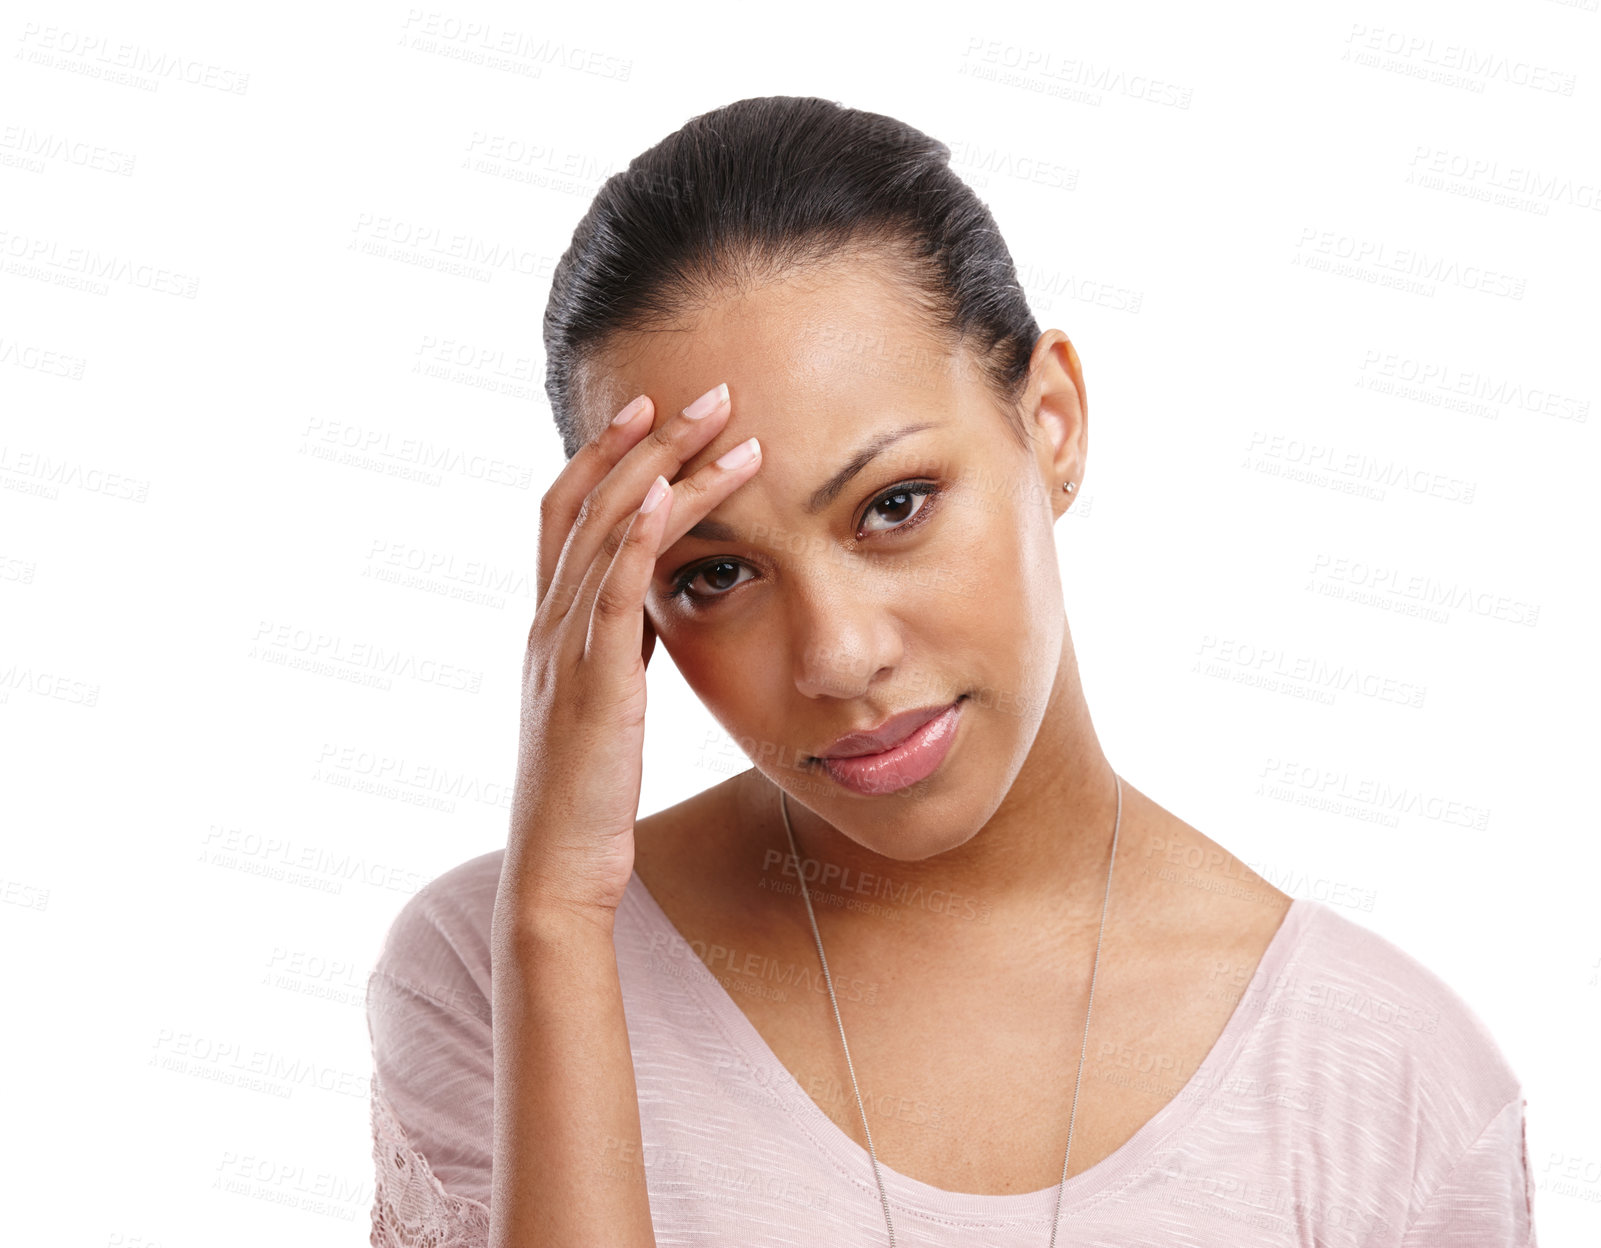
(844, 641)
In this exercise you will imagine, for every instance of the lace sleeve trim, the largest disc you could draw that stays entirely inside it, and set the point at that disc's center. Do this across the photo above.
(410, 1207)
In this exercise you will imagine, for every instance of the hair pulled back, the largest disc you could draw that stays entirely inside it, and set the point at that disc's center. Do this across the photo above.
(763, 187)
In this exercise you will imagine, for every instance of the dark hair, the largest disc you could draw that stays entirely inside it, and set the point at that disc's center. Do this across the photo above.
(762, 187)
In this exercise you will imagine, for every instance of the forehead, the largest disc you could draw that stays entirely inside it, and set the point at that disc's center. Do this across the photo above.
(807, 357)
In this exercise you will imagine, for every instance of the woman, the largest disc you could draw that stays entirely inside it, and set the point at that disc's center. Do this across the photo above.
(930, 972)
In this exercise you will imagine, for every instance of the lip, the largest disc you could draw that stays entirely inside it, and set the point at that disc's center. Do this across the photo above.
(890, 733)
(916, 756)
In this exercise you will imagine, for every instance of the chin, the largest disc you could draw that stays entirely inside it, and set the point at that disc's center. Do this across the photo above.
(913, 831)
(922, 848)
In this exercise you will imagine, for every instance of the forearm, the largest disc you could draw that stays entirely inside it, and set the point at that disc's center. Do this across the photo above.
(568, 1166)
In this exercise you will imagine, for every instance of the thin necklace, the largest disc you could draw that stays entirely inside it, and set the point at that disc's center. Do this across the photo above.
(1083, 1048)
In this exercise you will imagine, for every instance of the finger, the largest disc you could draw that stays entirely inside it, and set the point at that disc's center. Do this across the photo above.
(693, 499)
(617, 621)
(667, 448)
(559, 507)
(574, 625)
(697, 495)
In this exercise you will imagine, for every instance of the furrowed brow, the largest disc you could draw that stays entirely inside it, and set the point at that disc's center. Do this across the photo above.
(710, 530)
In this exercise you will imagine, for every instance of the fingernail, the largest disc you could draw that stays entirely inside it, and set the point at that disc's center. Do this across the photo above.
(707, 403)
(658, 491)
(629, 412)
(735, 456)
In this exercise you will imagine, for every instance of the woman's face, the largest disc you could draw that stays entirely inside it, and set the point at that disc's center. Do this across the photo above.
(837, 587)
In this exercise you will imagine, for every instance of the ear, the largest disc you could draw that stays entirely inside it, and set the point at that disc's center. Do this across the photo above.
(1056, 412)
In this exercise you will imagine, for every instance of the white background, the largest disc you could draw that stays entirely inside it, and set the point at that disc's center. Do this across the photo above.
(1332, 575)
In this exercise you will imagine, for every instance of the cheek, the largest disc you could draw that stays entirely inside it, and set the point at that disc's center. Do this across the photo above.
(986, 563)
(994, 591)
(721, 675)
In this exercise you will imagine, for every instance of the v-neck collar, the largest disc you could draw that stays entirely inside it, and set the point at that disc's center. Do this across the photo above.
(1132, 1158)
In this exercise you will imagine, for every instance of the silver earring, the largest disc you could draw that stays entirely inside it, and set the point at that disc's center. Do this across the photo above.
(1068, 486)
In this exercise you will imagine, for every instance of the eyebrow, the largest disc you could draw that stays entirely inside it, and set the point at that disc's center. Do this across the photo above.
(709, 530)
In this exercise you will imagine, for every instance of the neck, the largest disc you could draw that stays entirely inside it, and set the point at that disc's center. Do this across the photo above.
(1045, 845)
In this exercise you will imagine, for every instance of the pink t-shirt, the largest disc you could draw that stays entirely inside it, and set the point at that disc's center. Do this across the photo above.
(1352, 1099)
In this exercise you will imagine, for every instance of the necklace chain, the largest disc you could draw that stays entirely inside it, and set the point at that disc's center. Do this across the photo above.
(1083, 1048)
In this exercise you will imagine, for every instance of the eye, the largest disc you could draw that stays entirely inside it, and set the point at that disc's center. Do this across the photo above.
(690, 575)
(899, 501)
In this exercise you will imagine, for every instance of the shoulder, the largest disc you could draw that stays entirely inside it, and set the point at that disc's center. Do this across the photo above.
(428, 1019)
(1365, 986)
(437, 946)
(1385, 1044)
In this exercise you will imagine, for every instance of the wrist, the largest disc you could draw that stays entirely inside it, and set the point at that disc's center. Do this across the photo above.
(527, 920)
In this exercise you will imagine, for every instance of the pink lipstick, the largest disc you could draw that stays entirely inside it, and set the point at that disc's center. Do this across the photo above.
(914, 758)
